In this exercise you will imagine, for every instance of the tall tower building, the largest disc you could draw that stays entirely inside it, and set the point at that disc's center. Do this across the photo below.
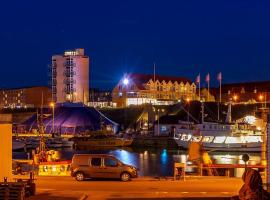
(70, 77)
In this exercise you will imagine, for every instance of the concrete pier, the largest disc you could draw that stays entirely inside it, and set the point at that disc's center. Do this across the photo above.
(58, 188)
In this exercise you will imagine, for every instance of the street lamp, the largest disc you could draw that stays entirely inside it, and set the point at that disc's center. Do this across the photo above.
(158, 121)
(235, 97)
(125, 81)
(188, 100)
(52, 105)
(261, 99)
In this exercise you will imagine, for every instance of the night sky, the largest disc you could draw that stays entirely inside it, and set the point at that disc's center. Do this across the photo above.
(183, 38)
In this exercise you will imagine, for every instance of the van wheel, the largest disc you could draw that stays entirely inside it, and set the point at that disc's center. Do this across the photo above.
(79, 176)
(125, 176)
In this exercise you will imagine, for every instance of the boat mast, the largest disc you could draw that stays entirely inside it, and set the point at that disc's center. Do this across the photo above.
(229, 113)
(202, 107)
(41, 131)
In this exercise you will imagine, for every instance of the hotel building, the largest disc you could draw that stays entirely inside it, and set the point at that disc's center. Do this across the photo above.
(137, 89)
(70, 77)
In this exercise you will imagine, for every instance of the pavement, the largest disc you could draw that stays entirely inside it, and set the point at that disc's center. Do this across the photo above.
(60, 188)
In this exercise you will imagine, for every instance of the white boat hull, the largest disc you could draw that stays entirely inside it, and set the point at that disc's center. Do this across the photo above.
(246, 147)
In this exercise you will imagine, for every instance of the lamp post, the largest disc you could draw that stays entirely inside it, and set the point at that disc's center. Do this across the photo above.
(188, 100)
(235, 97)
(158, 121)
(52, 105)
(261, 99)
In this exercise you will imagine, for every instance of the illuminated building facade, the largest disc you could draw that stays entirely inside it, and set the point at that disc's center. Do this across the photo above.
(70, 77)
(137, 89)
(100, 98)
(28, 97)
(249, 92)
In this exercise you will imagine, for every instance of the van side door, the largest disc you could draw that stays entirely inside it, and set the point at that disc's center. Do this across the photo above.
(112, 168)
(95, 167)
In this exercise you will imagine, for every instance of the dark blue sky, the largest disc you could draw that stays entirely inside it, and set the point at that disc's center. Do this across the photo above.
(183, 38)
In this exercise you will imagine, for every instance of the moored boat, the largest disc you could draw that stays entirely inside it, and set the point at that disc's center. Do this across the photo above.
(220, 136)
(17, 145)
(248, 143)
(101, 141)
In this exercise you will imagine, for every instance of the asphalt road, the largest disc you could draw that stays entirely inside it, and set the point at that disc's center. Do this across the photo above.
(58, 188)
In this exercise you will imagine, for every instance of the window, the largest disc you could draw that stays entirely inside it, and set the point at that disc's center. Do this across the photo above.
(96, 162)
(109, 162)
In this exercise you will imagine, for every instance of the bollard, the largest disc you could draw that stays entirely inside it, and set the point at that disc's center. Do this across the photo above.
(5, 179)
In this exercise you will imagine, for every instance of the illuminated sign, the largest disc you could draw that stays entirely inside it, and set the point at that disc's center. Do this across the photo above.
(71, 53)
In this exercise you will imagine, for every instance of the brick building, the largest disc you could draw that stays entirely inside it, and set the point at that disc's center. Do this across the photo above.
(25, 97)
(248, 92)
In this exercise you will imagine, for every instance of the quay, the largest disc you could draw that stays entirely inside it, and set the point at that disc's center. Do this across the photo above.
(60, 188)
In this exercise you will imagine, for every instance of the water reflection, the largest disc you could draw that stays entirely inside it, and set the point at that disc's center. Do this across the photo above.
(156, 162)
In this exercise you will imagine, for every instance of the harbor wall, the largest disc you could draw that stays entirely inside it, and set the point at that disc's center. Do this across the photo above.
(5, 151)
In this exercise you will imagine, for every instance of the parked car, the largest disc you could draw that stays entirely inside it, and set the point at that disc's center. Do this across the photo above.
(101, 166)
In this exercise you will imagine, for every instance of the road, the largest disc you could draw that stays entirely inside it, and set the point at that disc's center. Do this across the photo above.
(58, 188)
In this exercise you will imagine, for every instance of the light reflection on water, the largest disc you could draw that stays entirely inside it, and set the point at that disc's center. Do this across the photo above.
(156, 162)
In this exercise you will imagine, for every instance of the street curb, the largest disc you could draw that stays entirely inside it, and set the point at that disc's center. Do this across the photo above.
(83, 197)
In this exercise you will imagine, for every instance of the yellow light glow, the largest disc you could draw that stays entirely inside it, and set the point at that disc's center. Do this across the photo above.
(235, 97)
(250, 119)
(261, 97)
(52, 104)
(188, 99)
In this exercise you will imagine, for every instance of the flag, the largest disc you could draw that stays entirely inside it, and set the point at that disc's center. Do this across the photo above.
(198, 79)
(207, 78)
(219, 76)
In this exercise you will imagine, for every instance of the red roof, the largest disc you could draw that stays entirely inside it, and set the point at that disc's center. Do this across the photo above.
(140, 79)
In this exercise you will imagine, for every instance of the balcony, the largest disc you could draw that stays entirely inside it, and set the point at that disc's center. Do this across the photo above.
(69, 81)
(54, 81)
(69, 73)
(69, 90)
(69, 64)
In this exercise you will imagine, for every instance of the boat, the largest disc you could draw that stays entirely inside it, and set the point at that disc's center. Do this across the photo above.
(248, 143)
(220, 136)
(17, 145)
(101, 141)
(32, 142)
(59, 142)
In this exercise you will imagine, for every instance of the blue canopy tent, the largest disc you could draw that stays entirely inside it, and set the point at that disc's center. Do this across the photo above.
(71, 119)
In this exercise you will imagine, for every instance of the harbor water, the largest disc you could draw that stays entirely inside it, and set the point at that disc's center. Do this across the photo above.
(156, 162)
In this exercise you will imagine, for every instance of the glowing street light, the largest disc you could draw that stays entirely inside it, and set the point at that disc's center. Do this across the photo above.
(261, 99)
(188, 100)
(52, 105)
(125, 81)
(235, 97)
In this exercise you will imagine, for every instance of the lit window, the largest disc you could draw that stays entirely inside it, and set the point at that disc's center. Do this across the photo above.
(233, 140)
(208, 139)
(219, 139)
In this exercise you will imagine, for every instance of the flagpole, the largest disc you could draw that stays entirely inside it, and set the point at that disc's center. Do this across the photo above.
(200, 91)
(219, 78)
(208, 90)
(155, 81)
(220, 90)
(198, 81)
